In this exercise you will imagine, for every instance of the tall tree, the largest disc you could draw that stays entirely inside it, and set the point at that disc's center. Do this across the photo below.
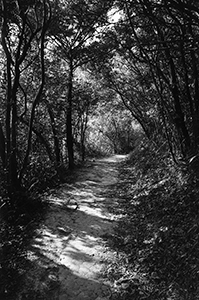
(74, 28)
(23, 30)
(160, 39)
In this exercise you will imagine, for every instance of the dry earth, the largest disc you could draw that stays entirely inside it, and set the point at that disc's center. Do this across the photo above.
(69, 250)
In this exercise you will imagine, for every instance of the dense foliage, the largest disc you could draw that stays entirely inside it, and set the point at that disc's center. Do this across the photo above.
(86, 78)
(157, 232)
(61, 60)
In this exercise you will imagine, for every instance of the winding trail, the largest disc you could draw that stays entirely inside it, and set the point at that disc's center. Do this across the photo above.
(69, 248)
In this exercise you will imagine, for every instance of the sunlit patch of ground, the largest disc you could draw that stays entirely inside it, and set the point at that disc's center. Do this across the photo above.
(70, 245)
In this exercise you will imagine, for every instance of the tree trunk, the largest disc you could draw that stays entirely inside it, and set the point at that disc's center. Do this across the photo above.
(40, 137)
(84, 123)
(40, 89)
(56, 140)
(69, 128)
(195, 113)
(2, 147)
(82, 142)
(13, 157)
(179, 118)
(10, 145)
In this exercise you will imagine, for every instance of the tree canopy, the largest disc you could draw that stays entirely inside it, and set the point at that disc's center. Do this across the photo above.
(87, 78)
(143, 54)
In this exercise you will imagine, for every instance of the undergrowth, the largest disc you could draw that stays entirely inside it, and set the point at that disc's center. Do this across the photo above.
(157, 236)
(20, 215)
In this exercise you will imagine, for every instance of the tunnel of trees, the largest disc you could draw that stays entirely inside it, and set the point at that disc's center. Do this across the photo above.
(65, 64)
(85, 78)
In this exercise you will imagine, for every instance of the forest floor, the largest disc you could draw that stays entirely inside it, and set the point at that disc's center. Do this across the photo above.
(70, 253)
(120, 228)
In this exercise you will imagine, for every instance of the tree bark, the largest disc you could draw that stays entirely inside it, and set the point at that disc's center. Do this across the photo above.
(55, 137)
(69, 128)
(2, 147)
(10, 163)
(40, 137)
(84, 123)
(46, 20)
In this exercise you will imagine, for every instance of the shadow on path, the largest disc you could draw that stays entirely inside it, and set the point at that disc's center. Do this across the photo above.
(70, 249)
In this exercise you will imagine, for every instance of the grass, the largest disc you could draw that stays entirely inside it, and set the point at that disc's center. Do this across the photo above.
(157, 237)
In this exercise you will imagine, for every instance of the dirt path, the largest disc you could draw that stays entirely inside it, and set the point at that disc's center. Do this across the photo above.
(69, 249)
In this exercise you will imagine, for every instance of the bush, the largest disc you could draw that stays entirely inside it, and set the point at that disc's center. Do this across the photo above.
(19, 217)
(159, 230)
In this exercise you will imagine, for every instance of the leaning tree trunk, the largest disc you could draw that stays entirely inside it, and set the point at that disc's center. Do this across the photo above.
(43, 29)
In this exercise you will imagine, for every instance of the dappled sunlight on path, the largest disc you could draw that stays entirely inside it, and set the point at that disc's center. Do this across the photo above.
(70, 244)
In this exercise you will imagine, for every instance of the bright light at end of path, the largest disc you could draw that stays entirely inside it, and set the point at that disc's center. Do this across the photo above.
(114, 15)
